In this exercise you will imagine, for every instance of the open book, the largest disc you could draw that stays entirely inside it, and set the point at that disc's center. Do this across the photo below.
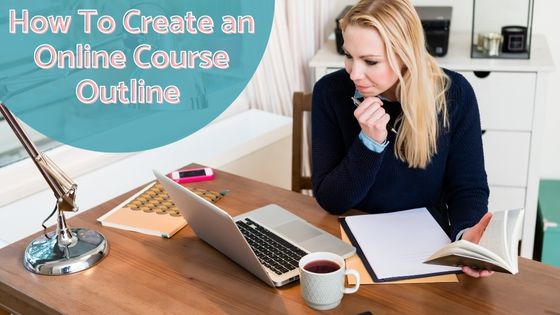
(497, 249)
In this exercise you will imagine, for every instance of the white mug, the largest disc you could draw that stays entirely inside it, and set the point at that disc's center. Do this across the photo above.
(321, 277)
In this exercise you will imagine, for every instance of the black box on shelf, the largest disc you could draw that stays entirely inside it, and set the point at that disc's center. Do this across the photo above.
(436, 22)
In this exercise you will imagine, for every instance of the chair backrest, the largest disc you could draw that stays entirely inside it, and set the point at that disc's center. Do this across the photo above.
(301, 104)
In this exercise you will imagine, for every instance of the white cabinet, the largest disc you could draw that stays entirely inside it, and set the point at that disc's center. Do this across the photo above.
(510, 96)
(506, 157)
(502, 198)
(505, 99)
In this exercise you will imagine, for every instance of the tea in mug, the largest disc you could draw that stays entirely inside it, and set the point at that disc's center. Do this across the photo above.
(322, 266)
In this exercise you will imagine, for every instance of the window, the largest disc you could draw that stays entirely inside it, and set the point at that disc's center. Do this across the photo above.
(19, 175)
(11, 150)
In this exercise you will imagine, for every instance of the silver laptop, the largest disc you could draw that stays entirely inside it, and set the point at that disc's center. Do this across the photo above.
(267, 241)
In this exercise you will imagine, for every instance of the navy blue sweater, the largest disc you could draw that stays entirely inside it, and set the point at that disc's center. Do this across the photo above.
(346, 174)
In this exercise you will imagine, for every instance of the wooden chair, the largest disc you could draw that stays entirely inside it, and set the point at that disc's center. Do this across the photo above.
(301, 104)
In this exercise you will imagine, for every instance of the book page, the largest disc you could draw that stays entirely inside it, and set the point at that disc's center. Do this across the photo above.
(396, 244)
(502, 235)
(514, 226)
(468, 254)
(495, 236)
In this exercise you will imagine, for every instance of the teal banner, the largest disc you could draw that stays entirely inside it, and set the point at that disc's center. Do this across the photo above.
(122, 75)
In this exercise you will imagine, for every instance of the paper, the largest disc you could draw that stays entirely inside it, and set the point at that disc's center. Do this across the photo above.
(355, 262)
(396, 244)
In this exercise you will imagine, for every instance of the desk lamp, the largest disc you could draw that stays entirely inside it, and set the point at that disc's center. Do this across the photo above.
(67, 250)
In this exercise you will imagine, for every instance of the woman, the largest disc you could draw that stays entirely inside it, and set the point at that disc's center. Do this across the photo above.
(394, 131)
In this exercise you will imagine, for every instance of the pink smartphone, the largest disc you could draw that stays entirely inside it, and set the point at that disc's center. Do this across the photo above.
(188, 175)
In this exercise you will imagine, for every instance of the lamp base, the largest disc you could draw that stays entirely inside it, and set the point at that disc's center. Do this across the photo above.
(44, 256)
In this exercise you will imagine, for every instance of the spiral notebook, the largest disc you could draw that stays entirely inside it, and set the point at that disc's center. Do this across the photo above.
(152, 212)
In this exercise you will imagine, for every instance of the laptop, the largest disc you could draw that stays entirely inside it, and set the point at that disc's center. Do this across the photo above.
(268, 241)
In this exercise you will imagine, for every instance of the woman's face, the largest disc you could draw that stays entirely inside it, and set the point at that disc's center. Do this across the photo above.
(367, 64)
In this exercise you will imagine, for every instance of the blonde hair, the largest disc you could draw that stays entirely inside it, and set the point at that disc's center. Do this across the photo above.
(422, 83)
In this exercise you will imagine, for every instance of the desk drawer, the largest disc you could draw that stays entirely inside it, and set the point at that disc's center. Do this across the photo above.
(506, 198)
(506, 157)
(505, 99)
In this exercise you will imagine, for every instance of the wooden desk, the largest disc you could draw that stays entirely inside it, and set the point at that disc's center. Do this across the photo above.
(183, 275)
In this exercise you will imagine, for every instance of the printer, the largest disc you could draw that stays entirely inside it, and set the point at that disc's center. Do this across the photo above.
(436, 22)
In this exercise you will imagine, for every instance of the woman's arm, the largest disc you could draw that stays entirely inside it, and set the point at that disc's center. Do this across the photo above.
(341, 175)
(465, 184)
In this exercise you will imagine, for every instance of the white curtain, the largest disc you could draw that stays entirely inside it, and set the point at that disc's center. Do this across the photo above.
(297, 33)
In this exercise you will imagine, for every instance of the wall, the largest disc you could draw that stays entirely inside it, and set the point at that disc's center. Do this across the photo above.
(459, 22)
(545, 21)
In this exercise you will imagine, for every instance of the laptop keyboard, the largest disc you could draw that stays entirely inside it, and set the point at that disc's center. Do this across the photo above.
(272, 251)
